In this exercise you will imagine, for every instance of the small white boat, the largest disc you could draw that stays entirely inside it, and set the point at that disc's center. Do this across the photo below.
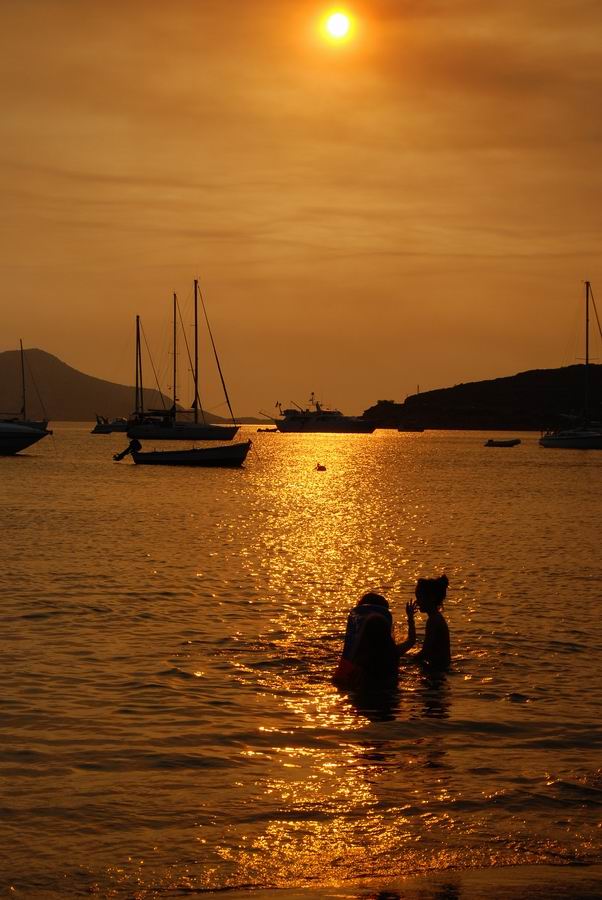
(511, 442)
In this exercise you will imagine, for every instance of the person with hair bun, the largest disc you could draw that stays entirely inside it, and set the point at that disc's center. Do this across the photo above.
(436, 650)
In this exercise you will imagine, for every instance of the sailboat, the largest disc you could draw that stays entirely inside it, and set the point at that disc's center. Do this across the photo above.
(587, 435)
(164, 424)
(20, 432)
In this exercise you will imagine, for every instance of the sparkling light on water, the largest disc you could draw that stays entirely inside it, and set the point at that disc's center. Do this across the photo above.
(170, 722)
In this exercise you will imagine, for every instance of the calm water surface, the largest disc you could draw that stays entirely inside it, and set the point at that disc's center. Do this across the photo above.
(168, 720)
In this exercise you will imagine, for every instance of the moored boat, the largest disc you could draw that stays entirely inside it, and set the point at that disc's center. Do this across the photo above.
(317, 419)
(586, 435)
(173, 424)
(223, 456)
(23, 418)
(511, 442)
(164, 425)
(585, 438)
(227, 456)
(105, 425)
(15, 436)
(20, 432)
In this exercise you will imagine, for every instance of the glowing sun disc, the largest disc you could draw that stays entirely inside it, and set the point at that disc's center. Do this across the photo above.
(338, 25)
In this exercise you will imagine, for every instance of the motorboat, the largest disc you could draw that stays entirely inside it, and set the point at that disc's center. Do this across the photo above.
(105, 425)
(512, 442)
(317, 419)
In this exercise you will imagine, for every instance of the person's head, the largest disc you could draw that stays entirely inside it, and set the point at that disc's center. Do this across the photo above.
(372, 599)
(430, 593)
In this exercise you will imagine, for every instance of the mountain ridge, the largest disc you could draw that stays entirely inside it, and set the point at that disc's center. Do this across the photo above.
(532, 400)
(56, 390)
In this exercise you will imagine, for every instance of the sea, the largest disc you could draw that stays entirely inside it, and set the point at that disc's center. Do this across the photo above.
(169, 726)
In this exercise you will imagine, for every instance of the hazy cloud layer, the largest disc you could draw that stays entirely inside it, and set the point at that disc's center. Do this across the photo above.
(420, 205)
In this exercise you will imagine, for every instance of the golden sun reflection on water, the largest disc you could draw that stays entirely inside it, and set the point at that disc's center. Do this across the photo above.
(344, 790)
(198, 729)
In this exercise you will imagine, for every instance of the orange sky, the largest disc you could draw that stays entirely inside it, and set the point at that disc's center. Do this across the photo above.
(418, 206)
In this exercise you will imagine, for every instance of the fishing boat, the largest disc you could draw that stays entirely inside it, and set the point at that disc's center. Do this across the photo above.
(173, 424)
(586, 435)
(512, 442)
(317, 419)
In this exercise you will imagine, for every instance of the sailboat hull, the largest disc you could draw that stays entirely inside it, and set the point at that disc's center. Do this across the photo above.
(14, 438)
(229, 456)
(573, 440)
(586, 435)
(184, 431)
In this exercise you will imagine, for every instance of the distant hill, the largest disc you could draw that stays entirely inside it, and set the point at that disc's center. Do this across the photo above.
(60, 392)
(541, 398)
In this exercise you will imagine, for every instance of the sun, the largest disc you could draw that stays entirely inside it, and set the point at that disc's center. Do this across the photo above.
(337, 25)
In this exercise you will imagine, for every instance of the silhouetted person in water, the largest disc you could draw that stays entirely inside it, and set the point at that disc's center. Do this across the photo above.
(436, 650)
(370, 659)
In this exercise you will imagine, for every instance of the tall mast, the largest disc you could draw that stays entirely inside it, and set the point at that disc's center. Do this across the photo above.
(139, 402)
(586, 410)
(175, 355)
(196, 350)
(23, 404)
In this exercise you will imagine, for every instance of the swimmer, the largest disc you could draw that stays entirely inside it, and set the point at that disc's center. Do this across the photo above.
(370, 659)
(436, 650)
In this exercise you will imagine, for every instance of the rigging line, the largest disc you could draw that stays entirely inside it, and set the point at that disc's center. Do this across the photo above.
(591, 293)
(197, 399)
(33, 381)
(219, 368)
(152, 366)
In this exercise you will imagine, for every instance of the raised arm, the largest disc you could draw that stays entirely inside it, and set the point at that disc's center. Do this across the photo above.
(411, 638)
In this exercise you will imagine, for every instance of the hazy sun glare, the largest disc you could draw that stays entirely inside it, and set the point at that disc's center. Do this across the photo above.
(337, 25)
